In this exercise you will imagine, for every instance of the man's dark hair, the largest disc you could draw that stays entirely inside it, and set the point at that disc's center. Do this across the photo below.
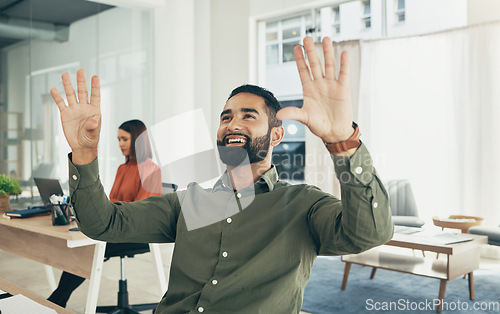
(273, 105)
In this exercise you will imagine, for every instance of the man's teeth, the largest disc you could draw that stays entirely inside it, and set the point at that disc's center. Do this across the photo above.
(236, 140)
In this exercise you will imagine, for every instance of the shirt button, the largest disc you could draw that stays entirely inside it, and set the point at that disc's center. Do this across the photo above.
(375, 205)
(238, 195)
(358, 170)
(224, 254)
(214, 282)
(74, 177)
(229, 220)
(201, 309)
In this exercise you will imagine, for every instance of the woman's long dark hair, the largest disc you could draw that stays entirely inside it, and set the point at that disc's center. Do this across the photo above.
(139, 149)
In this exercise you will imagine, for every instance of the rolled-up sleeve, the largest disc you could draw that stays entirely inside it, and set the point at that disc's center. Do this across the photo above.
(362, 218)
(147, 221)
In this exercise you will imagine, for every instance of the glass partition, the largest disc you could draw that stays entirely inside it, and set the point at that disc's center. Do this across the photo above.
(42, 43)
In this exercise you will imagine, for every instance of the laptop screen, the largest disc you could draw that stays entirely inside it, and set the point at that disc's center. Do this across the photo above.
(47, 187)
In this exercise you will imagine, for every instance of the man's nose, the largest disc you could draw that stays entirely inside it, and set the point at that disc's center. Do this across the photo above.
(234, 125)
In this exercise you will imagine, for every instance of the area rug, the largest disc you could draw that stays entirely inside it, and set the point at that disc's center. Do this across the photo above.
(394, 292)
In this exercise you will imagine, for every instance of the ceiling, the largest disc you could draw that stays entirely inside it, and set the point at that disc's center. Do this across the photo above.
(42, 19)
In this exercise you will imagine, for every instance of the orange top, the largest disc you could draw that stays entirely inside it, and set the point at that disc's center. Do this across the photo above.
(128, 187)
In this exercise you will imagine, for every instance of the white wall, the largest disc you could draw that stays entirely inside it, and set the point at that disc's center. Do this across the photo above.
(481, 11)
(201, 54)
(230, 50)
(351, 25)
(423, 16)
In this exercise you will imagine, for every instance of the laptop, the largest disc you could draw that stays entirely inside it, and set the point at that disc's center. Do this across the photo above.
(48, 187)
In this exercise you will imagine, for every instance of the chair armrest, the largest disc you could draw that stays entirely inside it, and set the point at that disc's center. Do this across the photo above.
(492, 233)
(408, 221)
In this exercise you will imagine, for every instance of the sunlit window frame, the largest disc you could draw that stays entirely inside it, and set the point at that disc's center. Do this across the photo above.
(366, 17)
(400, 12)
(280, 41)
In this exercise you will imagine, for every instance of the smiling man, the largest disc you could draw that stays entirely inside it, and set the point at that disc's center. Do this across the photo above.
(248, 244)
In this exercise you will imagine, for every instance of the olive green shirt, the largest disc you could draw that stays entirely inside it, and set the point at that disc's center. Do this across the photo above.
(245, 251)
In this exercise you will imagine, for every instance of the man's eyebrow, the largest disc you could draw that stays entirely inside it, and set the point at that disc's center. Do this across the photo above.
(225, 112)
(249, 110)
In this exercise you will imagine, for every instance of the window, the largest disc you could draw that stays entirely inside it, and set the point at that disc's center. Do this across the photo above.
(400, 10)
(336, 20)
(289, 156)
(291, 30)
(367, 17)
(272, 43)
(283, 35)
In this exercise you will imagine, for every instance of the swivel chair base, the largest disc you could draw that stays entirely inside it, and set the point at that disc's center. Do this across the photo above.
(123, 306)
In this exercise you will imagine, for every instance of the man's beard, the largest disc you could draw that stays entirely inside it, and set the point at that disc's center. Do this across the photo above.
(256, 149)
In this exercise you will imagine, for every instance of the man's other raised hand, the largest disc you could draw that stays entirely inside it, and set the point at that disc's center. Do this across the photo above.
(327, 108)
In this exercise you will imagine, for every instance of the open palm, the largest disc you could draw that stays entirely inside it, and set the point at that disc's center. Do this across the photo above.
(326, 109)
(81, 119)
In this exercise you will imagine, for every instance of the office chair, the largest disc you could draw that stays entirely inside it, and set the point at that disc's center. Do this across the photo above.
(125, 250)
(168, 187)
(402, 203)
(130, 250)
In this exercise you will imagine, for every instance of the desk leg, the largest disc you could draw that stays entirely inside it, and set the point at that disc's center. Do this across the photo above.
(155, 249)
(442, 290)
(49, 271)
(346, 275)
(471, 285)
(95, 278)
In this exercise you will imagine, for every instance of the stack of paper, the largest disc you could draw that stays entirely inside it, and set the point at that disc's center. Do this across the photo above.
(19, 304)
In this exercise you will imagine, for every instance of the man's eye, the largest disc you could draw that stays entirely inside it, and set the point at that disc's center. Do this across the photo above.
(224, 118)
(249, 116)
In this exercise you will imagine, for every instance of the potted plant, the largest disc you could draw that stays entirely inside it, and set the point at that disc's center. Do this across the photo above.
(8, 187)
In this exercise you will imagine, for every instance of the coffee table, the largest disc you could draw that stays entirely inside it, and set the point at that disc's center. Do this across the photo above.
(459, 259)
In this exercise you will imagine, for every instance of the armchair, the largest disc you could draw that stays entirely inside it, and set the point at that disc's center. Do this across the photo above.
(402, 203)
(493, 233)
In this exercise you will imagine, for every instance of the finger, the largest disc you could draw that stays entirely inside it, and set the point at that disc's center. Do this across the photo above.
(312, 56)
(304, 74)
(68, 88)
(95, 91)
(292, 113)
(83, 96)
(92, 123)
(344, 68)
(329, 58)
(57, 99)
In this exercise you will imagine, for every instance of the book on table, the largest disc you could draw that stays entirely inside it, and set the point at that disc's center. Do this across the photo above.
(28, 212)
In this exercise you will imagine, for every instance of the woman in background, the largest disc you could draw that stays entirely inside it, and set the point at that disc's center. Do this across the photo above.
(136, 179)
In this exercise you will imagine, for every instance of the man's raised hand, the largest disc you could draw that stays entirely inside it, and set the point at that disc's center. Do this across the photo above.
(327, 108)
(81, 119)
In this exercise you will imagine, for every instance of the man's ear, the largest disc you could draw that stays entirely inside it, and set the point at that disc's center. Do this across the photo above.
(277, 134)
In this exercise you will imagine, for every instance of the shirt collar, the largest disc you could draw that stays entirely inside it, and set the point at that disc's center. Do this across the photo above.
(267, 180)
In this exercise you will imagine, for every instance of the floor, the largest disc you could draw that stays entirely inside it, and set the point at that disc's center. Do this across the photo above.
(143, 285)
(141, 275)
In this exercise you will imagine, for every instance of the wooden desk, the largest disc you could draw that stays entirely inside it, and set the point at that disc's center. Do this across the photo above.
(460, 259)
(37, 239)
(13, 289)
